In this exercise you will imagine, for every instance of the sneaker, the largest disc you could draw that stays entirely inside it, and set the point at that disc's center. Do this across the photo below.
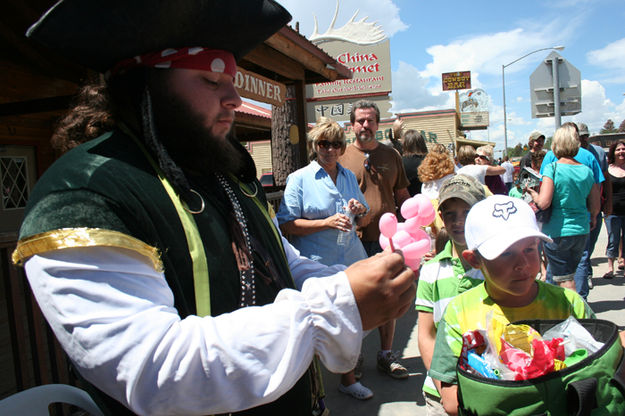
(388, 364)
(356, 390)
(358, 368)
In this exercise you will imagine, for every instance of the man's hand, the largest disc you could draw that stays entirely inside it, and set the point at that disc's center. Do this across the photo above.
(383, 287)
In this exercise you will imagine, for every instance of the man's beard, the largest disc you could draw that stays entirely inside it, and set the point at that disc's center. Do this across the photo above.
(189, 143)
(366, 138)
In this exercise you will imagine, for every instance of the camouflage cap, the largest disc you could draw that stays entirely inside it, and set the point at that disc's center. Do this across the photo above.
(583, 129)
(535, 135)
(463, 187)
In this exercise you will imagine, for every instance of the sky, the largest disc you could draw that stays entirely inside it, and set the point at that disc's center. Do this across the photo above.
(428, 38)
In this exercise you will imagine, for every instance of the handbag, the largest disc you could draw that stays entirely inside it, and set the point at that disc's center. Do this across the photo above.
(544, 215)
(593, 386)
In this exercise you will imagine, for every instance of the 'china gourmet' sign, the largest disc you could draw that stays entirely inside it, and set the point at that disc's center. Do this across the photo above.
(370, 65)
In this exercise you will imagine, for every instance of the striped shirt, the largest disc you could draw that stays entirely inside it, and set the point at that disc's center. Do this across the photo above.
(440, 280)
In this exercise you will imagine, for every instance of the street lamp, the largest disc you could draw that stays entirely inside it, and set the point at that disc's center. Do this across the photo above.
(503, 84)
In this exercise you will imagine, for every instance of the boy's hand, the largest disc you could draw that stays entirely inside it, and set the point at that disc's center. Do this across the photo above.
(429, 255)
(383, 287)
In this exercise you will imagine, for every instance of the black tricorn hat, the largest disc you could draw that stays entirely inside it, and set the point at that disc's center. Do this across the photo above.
(99, 33)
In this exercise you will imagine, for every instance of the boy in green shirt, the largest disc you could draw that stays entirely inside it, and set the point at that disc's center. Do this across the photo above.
(447, 274)
(502, 240)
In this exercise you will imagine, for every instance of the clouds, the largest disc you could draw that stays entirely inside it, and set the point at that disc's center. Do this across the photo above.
(597, 108)
(612, 59)
(411, 92)
(426, 42)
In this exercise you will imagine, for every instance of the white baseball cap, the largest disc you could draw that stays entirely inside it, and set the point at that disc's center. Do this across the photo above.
(497, 222)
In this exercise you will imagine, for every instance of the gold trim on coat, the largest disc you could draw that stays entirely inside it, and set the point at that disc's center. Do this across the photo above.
(82, 237)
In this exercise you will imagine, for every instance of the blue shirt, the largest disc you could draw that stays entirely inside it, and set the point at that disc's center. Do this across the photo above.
(600, 155)
(584, 157)
(311, 194)
(569, 214)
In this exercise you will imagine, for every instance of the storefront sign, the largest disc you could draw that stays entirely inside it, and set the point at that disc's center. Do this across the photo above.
(370, 65)
(259, 88)
(474, 120)
(339, 109)
(456, 80)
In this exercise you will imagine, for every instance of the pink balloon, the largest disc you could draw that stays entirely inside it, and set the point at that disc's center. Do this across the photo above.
(403, 226)
(413, 263)
(427, 218)
(401, 238)
(420, 234)
(411, 224)
(388, 224)
(384, 242)
(416, 249)
(410, 208)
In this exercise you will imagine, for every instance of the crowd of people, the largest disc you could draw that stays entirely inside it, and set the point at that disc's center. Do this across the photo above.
(172, 288)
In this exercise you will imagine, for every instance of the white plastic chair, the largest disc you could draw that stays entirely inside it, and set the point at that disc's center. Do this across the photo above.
(35, 401)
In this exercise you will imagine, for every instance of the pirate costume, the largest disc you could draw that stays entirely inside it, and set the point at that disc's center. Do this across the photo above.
(126, 252)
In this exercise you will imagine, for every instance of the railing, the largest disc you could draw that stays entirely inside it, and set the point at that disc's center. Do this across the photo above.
(274, 199)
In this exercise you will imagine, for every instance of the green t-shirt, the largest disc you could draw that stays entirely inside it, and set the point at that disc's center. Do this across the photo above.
(515, 192)
(440, 280)
(468, 311)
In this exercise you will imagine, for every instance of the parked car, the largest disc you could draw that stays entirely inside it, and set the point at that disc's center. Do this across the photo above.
(266, 179)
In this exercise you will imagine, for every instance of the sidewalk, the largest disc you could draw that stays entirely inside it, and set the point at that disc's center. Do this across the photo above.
(403, 397)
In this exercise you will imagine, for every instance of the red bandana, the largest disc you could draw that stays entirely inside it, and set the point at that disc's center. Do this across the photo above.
(213, 60)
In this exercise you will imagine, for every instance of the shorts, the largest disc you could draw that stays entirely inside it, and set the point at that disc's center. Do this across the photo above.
(433, 405)
(563, 256)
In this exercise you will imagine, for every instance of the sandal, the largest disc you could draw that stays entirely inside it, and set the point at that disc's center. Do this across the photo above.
(356, 390)
(608, 275)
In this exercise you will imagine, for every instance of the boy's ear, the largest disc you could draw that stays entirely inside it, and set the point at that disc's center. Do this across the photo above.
(472, 258)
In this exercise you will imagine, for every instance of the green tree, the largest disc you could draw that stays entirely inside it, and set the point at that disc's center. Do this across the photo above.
(608, 127)
(515, 151)
(621, 128)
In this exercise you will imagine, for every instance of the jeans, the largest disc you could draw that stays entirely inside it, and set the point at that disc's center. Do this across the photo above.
(584, 268)
(563, 257)
(616, 235)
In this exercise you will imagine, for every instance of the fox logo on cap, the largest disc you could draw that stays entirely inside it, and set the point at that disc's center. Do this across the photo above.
(504, 210)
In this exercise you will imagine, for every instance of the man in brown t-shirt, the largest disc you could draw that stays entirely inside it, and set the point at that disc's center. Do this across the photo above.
(382, 179)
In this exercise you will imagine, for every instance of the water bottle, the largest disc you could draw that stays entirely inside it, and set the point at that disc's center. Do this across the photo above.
(343, 236)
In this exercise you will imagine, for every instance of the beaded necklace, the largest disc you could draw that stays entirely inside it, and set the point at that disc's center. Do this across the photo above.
(248, 284)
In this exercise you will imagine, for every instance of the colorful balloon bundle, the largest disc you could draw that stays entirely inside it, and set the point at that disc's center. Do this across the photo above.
(408, 236)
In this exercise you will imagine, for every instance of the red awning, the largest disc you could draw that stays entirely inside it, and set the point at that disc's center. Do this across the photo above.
(253, 109)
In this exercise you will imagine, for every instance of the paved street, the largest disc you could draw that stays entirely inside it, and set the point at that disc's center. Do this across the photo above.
(403, 397)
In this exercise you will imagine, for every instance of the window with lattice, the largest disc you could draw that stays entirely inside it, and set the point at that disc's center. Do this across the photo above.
(14, 180)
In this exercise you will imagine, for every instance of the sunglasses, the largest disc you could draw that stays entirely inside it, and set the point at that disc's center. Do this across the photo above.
(483, 157)
(367, 163)
(326, 144)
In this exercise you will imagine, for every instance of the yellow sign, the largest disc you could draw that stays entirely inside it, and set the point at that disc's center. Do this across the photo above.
(259, 88)
(457, 80)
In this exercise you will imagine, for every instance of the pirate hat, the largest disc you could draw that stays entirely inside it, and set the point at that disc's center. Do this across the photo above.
(98, 34)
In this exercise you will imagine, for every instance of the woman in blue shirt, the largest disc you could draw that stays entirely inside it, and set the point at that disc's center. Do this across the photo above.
(320, 202)
(568, 187)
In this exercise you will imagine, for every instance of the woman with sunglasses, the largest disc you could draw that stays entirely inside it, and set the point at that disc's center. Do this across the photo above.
(321, 206)
(468, 158)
